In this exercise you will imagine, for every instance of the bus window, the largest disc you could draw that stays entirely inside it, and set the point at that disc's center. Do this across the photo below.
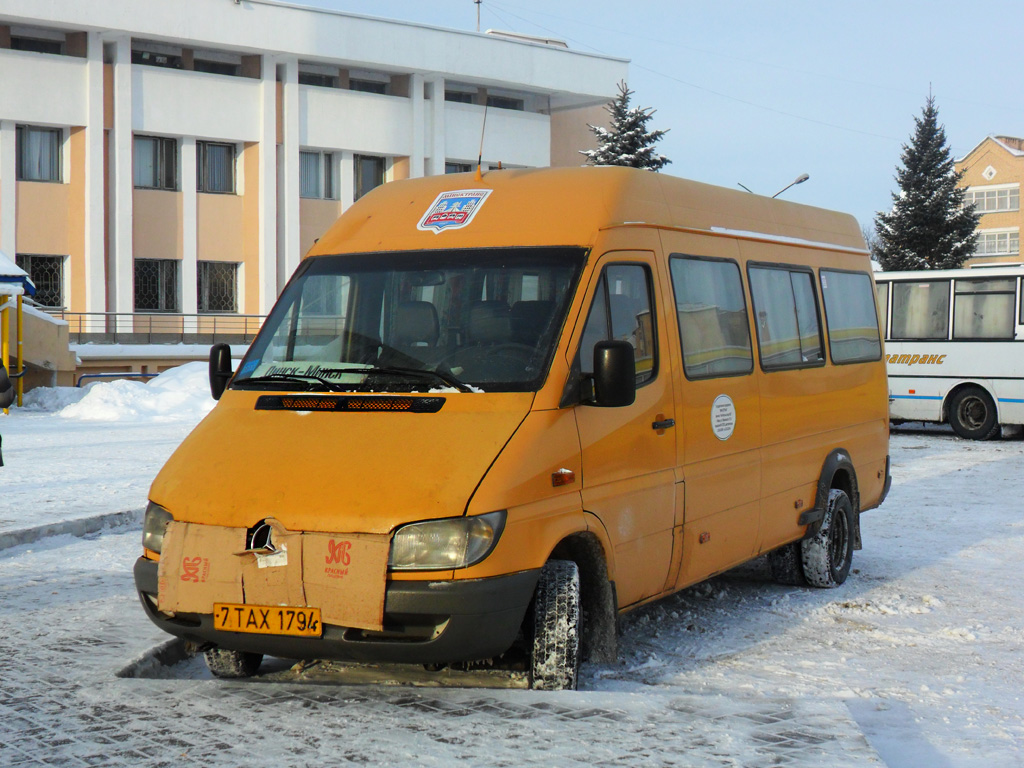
(786, 317)
(920, 310)
(882, 299)
(850, 317)
(983, 309)
(712, 317)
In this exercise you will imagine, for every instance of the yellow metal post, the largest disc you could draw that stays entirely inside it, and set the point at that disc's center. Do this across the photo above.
(21, 352)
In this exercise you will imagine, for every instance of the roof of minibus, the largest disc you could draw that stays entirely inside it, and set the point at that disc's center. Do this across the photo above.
(569, 206)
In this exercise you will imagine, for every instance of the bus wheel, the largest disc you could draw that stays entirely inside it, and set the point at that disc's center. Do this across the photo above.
(555, 661)
(232, 664)
(828, 554)
(972, 414)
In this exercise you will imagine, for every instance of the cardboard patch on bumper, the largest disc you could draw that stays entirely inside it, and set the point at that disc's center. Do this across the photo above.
(274, 577)
(194, 572)
(345, 576)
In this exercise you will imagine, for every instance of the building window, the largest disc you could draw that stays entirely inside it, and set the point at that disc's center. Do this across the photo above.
(368, 86)
(215, 67)
(319, 79)
(506, 102)
(1006, 243)
(154, 59)
(39, 153)
(156, 163)
(217, 284)
(851, 316)
(316, 175)
(215, 167)
(457, 167)
(460, 97)
(369, 173)
(156, 285)
(47, 272)
(992, 200)
(37, 45)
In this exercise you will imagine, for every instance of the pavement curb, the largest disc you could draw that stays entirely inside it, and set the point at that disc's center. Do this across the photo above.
(80, 527)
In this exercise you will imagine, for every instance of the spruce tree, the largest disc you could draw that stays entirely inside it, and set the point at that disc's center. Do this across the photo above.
(929, 227)
(627, 142)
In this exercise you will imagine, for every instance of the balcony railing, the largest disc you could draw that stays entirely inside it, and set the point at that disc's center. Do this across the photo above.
(158, 328)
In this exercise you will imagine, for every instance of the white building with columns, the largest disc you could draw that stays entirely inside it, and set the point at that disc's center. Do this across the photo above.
(176, 159)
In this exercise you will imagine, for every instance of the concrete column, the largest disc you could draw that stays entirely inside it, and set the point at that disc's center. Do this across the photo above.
(95, 208)
(267, 182)
(288, 191)
(419, 127)
(347, 180)
(8, 189)
(123, 272)
(437, 150)
(189, 229)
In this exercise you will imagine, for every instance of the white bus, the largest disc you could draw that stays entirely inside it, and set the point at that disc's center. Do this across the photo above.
(954, 347)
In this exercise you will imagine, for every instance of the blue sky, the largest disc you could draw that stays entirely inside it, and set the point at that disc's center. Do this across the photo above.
(759, 92)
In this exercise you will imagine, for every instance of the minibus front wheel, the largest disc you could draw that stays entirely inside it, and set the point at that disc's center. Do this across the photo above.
(828, 554)
(555, 657)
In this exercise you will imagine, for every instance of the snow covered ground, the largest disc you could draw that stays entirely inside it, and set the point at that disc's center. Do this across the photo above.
(915, 661)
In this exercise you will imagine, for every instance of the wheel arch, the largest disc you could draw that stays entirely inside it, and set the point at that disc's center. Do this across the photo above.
(599, 632)
(960, 387)
(837, 472)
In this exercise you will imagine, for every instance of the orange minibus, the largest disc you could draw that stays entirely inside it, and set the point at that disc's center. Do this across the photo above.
(489, 413)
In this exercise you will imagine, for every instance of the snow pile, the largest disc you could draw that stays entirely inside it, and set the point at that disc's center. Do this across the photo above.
(179, 394)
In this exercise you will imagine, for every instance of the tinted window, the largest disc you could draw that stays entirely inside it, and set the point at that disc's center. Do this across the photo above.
(850, 316)
(920, 310)
(786, 316)
(622, 310)
(983, 309)
(712, 316)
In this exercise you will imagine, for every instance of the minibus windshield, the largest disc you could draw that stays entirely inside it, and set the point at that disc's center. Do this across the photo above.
(416, 321)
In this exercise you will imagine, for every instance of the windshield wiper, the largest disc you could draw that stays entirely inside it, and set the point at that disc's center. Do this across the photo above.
(419, 373)
(295, 378)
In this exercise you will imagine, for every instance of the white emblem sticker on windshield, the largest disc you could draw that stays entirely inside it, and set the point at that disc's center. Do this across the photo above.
(453, 210)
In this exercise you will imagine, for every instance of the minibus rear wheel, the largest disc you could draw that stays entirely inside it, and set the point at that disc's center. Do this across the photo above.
(554, 658)
(232, 664)
(972, 414)
(827, 555)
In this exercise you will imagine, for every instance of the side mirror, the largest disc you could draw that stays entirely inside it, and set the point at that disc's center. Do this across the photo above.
(614, 374)
(220, 369)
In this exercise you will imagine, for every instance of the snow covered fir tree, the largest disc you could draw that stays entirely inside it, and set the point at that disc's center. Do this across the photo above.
(929, 227)
(627, 142)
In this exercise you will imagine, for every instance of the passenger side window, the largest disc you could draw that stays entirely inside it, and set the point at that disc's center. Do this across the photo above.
(920, 310)
(622, 310)
(851, 317)
(786, 315)
(712, 316)
(983, 309)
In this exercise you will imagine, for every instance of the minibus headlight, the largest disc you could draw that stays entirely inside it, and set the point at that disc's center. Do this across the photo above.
(154, 527)
(455, 542)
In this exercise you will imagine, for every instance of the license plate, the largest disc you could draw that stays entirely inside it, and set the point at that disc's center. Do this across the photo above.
(267, 619)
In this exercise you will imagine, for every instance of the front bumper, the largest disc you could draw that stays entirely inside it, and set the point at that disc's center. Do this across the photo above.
(425, 622)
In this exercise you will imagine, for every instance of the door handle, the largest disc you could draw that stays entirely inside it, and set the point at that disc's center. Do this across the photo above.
(661, 426)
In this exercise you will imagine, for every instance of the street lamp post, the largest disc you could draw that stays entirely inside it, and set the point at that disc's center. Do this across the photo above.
(798, 180)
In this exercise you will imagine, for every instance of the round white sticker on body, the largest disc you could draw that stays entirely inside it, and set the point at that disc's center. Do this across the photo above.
(723, 417)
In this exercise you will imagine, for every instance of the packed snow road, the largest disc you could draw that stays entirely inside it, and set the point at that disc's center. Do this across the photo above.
(916, 660)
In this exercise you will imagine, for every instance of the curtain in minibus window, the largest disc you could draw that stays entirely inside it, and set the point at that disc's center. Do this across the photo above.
(920, 310)
(983, 309)
(712, 315)
(851, 318)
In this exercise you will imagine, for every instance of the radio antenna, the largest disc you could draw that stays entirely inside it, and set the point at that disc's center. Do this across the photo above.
(480, 156)
(478, 14)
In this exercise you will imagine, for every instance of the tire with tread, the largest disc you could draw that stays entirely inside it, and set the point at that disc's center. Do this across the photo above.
(827, 556)
(972, 414)
(554, 657)
(231, 665)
